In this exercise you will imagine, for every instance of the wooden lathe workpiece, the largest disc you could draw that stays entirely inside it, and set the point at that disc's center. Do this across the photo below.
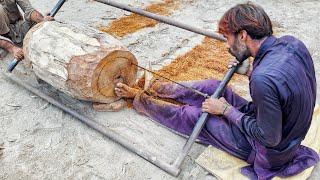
(79, 61)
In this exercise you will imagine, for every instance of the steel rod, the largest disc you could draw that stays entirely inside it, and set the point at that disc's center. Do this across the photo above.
(99, 128)
(203, 119)
(57, 7)
(163, 19)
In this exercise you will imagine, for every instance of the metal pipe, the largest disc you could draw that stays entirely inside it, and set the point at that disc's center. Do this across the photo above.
(100, 128)
(203, 119)
(163, 19)
(57, 7)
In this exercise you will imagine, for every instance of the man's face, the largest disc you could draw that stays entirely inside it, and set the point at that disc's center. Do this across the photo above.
(237, 48)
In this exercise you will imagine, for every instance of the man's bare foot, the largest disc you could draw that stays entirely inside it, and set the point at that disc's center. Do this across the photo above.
(125, 91)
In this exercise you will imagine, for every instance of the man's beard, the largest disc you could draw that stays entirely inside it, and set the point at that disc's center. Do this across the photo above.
(239, 50)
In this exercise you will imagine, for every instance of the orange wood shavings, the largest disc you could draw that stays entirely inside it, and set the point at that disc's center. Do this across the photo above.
(134, 22)
(206, 60)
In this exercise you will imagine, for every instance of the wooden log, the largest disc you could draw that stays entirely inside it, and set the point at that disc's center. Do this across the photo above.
(79, 61)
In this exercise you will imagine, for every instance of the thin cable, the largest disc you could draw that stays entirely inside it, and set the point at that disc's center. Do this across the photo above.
(187, 87)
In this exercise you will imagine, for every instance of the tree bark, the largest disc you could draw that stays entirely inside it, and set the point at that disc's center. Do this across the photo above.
(79, 61)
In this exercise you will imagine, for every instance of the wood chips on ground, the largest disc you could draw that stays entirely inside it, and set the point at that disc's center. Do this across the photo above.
(205, 61)
(134, 22)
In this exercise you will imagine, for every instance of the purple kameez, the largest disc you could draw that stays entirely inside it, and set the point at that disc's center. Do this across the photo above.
(266, 132)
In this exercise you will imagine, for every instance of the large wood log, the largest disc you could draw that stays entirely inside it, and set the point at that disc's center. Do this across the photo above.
(78, 60)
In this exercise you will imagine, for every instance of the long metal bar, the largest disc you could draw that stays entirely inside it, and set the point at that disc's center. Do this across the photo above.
(163, 19)
(202, 120)
(100, 128)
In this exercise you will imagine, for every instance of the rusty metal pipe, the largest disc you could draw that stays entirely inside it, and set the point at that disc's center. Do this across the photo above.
(163, 19)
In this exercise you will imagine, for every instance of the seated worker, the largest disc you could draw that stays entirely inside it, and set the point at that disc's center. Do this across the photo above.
(14, 26)
(266, 132)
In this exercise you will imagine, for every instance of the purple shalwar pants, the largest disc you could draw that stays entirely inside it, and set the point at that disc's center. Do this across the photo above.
(218, 131)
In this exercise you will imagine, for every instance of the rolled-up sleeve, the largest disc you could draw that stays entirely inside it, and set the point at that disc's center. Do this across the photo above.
(266, 125)
(26, 7)
(5, 39)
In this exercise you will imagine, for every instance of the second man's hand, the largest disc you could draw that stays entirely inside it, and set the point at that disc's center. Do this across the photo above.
(47, 17)
(17, 52)
(37, 17)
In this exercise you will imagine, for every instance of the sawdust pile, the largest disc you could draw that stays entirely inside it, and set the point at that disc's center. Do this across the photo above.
(205, 61)
(134, 22)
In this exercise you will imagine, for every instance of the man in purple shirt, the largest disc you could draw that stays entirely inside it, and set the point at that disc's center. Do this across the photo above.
(266, 132)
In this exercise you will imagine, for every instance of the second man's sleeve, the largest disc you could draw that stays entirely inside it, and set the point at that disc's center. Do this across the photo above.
(26, 7)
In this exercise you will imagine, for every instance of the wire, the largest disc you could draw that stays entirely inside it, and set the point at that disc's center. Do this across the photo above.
(187, 87)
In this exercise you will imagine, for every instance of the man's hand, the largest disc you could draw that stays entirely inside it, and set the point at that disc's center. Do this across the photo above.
(215, 106)
(17, 52)
(47, 17)
(245, 67)
(38, 17)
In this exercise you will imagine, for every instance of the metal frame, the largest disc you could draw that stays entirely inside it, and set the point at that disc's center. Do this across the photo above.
(174, 169)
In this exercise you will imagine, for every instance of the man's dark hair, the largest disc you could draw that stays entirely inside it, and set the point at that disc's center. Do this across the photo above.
(248, 17)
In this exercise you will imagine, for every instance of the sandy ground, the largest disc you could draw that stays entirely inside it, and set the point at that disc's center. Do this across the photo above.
(38, 141)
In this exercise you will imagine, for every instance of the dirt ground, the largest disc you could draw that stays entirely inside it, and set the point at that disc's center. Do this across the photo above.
(38, 141)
